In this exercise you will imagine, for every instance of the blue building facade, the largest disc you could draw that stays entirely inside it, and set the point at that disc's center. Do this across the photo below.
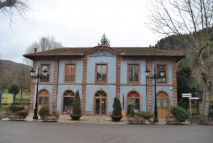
(102, 73)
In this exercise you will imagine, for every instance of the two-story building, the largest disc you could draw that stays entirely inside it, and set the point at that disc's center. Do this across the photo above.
(102, 73)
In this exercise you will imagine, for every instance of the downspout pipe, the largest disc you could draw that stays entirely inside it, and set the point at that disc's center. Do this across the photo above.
(57, 83)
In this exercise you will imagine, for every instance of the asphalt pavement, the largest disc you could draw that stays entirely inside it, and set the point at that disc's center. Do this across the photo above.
(57, 132)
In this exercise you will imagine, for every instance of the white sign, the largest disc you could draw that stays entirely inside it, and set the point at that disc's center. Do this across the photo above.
(186, 95)
(193, 98)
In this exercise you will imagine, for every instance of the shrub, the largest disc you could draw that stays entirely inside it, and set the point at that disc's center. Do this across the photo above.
(132, 112)
(44, 111)
(144, 114)
(23, 113)
(179, 113)
(117, 107)
(56, 115)
(77, 105)
(15, 109)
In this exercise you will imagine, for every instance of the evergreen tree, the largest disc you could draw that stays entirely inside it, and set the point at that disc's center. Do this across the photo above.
(186, 83)
(104, 41)
(14, 89)
(77, 105)
(116, 107)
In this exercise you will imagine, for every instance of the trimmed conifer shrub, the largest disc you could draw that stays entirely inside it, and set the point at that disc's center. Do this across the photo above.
(76, 110)
(117, 107)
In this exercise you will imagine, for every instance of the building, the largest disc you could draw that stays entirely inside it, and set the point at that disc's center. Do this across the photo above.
(101, 73)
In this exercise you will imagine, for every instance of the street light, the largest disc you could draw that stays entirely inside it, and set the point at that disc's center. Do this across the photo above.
(38, 76)
(155, 76)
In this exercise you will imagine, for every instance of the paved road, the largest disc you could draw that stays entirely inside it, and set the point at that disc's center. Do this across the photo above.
(50, 132)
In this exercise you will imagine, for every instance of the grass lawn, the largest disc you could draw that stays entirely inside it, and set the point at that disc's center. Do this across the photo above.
(25, 94)
(3, 107)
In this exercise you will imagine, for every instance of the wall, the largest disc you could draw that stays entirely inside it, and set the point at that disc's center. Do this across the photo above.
(79, 70)
(91, 63)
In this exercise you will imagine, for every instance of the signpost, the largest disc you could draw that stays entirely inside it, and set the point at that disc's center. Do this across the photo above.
(186, 95)
(189, 95)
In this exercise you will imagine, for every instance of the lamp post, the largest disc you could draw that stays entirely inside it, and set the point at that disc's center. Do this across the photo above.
(155, 76)
(38, 76)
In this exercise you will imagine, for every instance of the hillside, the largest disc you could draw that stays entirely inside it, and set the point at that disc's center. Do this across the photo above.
(12, 66)
(14, 73)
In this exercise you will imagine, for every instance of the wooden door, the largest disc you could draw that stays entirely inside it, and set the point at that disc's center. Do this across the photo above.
(43, 99)
(162, 104)
(100, 103)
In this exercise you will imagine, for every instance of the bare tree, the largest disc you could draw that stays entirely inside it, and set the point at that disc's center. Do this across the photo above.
(6, 79)
(23, 78)
(192, 17)
(44, 43)
(14, 9)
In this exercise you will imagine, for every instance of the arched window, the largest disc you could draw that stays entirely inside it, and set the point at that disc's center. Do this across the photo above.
(68, 99)
(133, 101)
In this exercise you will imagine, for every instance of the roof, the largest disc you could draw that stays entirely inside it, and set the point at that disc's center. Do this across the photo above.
(122, 51)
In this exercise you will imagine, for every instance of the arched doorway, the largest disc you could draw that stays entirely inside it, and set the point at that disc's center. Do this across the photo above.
(162, 104)
(43, 98)
(68, 99)
(100, 102)
(133, 101)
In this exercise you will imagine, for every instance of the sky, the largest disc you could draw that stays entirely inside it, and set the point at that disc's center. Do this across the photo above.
(77, 23)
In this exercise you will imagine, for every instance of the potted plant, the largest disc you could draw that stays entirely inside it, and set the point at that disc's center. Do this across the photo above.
(76, 111)
(116, 113)
(17, 113)
(145, 114)
(45, 114)
(44, 111)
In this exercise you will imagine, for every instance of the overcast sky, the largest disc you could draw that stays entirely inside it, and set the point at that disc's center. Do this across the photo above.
(78, 23)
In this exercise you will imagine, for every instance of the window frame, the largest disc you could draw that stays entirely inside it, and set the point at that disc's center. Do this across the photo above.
(96, 71)
(48, 72)
(128, 73)
(74, 72)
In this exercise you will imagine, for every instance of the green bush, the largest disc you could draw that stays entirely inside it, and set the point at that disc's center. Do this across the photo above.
(15, 109)
(117, 107)
(44, 111)
(144, 114)
(132, 112)
(179, 113)
(77, 105)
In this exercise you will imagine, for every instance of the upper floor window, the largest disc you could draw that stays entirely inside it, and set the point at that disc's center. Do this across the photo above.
(101, 72)
(159, 68)
(70, 72)
(47, 67)
(133, 72)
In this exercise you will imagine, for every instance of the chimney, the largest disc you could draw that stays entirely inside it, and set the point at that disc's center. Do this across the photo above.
(35, 49)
